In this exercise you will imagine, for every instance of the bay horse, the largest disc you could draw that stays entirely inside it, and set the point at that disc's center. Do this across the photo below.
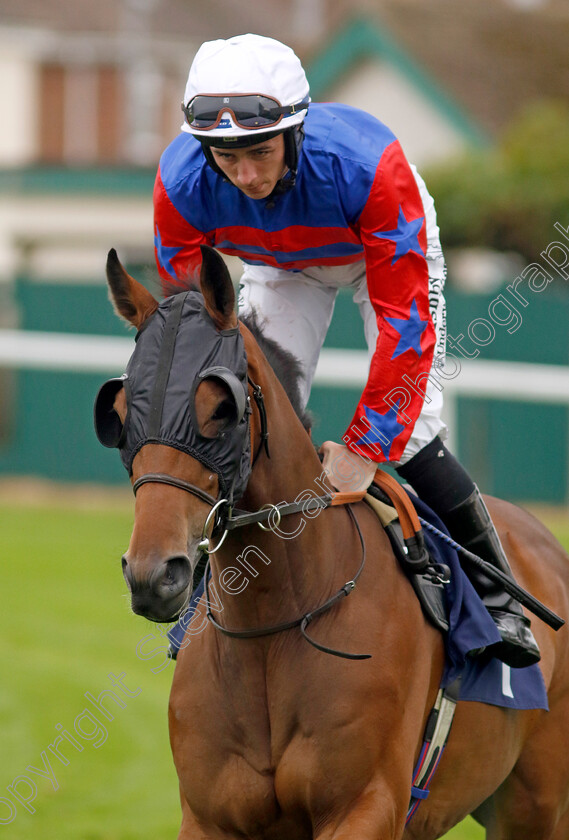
(272, 738)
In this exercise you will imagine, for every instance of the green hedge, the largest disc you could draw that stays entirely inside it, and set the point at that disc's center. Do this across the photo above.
(510, 196)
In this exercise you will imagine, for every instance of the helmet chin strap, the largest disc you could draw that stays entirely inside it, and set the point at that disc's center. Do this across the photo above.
(283, 185)
(293, 139)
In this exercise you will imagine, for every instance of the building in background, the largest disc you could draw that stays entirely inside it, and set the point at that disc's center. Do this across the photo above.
(91, 86)
(99, 88)
(100, 83)
(90, 96)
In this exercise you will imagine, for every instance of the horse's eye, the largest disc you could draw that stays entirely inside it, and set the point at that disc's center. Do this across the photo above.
(224, 411)
(215, 408)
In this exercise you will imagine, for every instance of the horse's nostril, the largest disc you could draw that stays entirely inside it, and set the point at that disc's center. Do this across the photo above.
(172, 577)
(127, 573)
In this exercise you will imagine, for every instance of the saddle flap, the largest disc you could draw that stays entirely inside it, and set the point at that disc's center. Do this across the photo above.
(428, 587)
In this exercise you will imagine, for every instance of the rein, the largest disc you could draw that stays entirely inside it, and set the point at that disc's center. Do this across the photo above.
(259, 517)
(304, 620)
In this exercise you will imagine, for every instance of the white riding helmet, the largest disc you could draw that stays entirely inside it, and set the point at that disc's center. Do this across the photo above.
(260, 80)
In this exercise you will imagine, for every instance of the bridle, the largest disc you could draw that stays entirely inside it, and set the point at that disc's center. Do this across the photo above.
(173, 481)
(223, 518)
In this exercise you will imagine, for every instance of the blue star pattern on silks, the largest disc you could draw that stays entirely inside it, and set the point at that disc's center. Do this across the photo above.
(165, 254)
(383, 430)
(405, 236)
(410, 331)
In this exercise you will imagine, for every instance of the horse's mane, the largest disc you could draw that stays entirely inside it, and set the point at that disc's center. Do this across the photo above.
(287, 368)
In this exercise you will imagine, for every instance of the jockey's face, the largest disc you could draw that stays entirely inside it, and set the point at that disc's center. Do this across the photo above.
(255, 170)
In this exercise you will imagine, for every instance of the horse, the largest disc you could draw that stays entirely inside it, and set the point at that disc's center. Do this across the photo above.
(272, 737)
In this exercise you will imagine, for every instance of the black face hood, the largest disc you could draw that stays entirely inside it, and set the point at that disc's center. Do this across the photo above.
(176, 349)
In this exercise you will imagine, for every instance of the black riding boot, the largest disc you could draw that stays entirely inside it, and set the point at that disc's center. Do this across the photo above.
(443, 483)
(469, 524)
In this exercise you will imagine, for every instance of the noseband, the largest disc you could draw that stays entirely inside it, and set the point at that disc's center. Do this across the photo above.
(164, 478)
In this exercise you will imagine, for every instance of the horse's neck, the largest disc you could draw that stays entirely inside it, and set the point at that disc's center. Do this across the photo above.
(290, 566)
(293, 465)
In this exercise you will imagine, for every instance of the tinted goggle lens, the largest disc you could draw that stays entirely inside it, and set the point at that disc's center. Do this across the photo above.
(248, 111)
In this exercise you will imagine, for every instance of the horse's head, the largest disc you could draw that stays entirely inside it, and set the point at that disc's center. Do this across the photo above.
(180, 419)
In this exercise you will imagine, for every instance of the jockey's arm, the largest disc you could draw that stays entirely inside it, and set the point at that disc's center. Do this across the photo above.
(392, 229)
(176, 242)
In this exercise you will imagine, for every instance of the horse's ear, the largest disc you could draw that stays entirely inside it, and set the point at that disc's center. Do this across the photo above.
(217, 289)
(130, 299)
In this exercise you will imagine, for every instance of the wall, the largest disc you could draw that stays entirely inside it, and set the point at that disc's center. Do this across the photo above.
(378, 88)
(515, 450)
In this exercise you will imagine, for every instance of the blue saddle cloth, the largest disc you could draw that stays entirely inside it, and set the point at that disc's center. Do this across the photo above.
(470, 628)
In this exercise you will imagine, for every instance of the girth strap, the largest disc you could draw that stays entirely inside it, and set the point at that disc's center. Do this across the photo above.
(417, 558)
(436, 736)
(407, 514)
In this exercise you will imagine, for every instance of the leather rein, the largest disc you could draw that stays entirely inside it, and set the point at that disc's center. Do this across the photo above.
(271, 514)
(304, 620)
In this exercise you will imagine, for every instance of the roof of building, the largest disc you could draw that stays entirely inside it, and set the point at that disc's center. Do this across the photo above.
(362, 39)
(492, 56)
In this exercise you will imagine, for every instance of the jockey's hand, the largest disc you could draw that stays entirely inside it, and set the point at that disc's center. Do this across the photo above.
(347, 471)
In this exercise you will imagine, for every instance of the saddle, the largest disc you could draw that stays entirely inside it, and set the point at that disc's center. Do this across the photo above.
(400, 520)
(428, 576)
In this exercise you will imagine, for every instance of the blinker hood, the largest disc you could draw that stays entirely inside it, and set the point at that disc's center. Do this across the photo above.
(176, 349)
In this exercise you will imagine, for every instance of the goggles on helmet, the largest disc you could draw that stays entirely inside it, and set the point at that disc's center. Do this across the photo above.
(249, 110)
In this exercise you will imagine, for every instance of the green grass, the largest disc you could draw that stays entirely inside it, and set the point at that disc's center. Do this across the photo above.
(467, 830)
(66, 625)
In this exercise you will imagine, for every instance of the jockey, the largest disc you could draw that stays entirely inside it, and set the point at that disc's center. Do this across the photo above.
(314, 198)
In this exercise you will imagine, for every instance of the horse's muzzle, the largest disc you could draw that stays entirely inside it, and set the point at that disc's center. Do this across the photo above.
(162, 595)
